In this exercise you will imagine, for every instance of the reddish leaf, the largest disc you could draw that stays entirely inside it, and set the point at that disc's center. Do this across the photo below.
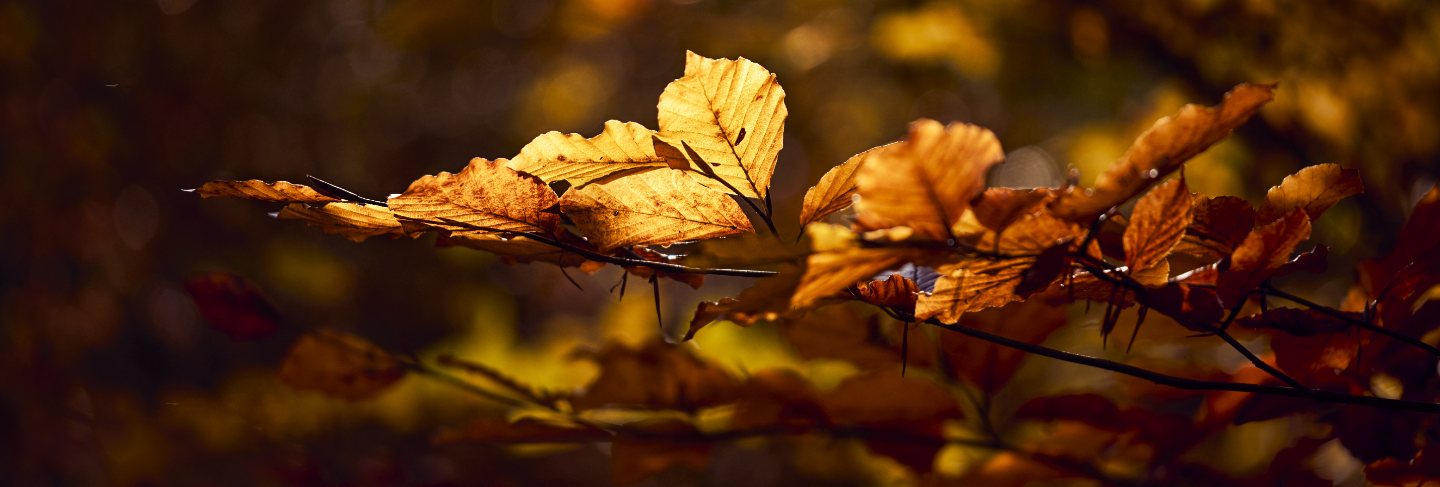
(707, 312)
(1220, 224)
(1196, 308)
(1263, 252)
(997, 208)
(896, 291)
(525, 430)
(885, 400)
(233, 305)
(1157, 224)
(1313, 189)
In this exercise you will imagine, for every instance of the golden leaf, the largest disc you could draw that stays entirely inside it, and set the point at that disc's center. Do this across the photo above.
(1157, 225)
(354, 221)
(255, 189)
(339, 364)
(486, 195)
(1313, 189)
(1163, 149)
(732, 113)
(836, 188)
(659, 206)
(1264, 250)
(835, 265)
(981, 282)
(622, 146)
(927, 181)
(518, 248)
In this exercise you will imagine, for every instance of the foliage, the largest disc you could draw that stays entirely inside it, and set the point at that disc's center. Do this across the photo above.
(986, 271)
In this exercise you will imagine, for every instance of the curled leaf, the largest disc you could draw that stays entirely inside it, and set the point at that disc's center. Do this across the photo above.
(1163, 149)
(926, 182)
(836, 189)
(1313, 189)
(255, 189)
(622, 146)
(485, 196)
(896, 291)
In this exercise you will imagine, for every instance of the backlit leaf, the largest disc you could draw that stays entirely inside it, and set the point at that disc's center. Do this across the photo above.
(836, 189)
(732, 112)
(255, 189)
(1264, 250)
(926, 182)
(655, 207)
(1218, 226)
(983, 282)
(1162, 149)
(837, 266)
(622, 146)
(1157, 224)
(355, 221)
(1313, 189)
(486, 195)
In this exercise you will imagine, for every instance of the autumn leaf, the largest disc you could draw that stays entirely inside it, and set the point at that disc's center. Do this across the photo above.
(926, 182)
(884, 399)
(1217, 227)
(255, 189)
(896, 291)
(637, 459)
(1264, 250)
(1162, 149)
(981, 282)
(1311, 346)
(997, 208)
(233, 305)
(848, 332)
(839, 262)
(521, 249)
(732, 113)
(622, 146)
(836, 189)
(767, 300)
(654, 375)
(1313, 189)
(355, 221)
(486, 195)
(655, 207)
(1156, 225)
(339, 364)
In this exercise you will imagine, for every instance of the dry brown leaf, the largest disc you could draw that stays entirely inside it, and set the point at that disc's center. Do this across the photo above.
(926, 182)
(828, 273)
(836, 189)
(1162, 149)
(255, 189)
(732, 112)
(1313, 189)
(518, 248)
(896, 291)
(354, 221)
(485, 196)
(851, 332)
(655, 207)
(339, 364)
(1157, 225)
(1217, 226)
(997, 208)
(622, 146)
(1265, 249)
(977, 283)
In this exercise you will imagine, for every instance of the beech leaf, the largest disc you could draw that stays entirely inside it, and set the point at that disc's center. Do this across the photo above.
(355, 221)
(836, 189)
(655, 207)
(1265, 250)
(839, 262)
(255, 189)
(486, 194)
(622, 146)
(339, 364)
(983, 282)
(1313, 189)
(926, 182)
(1162, 149)
(1157, 224)
(710, 108)
(1217, 227)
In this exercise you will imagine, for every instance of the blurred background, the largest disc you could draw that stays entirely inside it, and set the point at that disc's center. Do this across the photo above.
(109, 109)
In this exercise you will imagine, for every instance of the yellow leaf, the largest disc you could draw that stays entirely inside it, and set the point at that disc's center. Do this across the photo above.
(354, 221)
(732, 112)
(1157, 225)
(836, 188)
(835, 266)
(486, 195)
(1313, 189)
(623, 146)
(927, 181)
(981, 282)
(659, 206)
(255, 189)
(1163, 149)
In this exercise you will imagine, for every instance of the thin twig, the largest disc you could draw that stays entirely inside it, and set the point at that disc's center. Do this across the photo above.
(1337, 314)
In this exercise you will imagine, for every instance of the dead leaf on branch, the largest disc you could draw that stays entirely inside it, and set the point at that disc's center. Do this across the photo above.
(655, 375)
(839, 262)
(1217, 227)
(354, 221)
(622, 146)
(1313, 189)
(997, 208)
(340, 364)
(990, 366)
(1162, 149)
(885, 400)
(732, 113)
(767, 300)
(1157, 224)
(486, 194)
(927, 181)
(836, 189)
(655, 207)
(255, 189)
(896, 291)
(1265, 250)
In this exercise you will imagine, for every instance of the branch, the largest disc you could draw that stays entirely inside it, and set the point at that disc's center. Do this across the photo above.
(1337, 314)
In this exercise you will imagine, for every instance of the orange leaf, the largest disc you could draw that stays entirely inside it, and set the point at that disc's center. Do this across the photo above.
(990, 366)
(926, 182)
(997, 208)
(354, 221)
(339, 364)
(656, 207)
(1313, 189)
(836, 188)
(518, 248)
(485, 196)
(1157, 224)
(622, 146)
(255, 189)
(1264, 250)
(655, 375)
(1163, 149)
(981, 282)
(896, 291)
(1218, 226)
(828, 273)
